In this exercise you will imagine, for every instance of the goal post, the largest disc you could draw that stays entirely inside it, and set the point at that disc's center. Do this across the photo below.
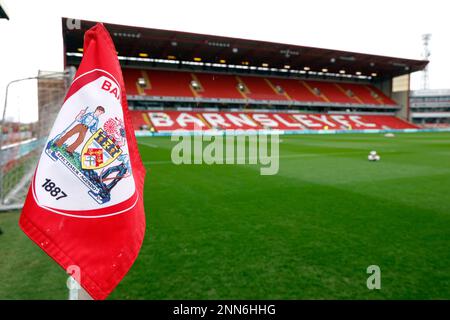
(31, 106)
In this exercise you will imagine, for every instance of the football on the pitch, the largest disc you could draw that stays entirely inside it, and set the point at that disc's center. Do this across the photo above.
(373, 156)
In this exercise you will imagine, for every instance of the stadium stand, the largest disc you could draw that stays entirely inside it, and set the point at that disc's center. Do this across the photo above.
(179, 80)
(297, 90)
(158, 83)
(330, 92)
(260, 88)
(224, 86)
(169, 120)
(219, 86)
(130, 77)
(380, 96)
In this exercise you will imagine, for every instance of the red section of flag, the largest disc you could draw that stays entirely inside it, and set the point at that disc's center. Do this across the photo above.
(104, 241)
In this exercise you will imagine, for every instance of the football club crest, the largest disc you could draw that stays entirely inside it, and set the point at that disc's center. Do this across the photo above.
(90, 143)
(99, 151)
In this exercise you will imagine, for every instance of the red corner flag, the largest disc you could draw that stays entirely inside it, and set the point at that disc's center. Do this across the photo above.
(85, 205)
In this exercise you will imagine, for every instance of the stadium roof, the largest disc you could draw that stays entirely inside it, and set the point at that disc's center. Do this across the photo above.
(150, 44)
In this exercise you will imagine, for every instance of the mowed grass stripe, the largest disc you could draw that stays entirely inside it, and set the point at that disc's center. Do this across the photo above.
(224, 231)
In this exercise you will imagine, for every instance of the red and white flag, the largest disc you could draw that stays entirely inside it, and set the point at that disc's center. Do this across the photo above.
(85, 204)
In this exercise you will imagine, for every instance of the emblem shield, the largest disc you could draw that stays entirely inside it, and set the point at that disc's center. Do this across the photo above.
(99, 151)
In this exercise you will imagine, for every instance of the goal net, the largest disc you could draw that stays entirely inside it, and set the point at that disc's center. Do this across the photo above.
(31, 107)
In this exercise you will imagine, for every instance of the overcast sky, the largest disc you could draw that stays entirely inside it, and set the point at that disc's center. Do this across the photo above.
(32, 39)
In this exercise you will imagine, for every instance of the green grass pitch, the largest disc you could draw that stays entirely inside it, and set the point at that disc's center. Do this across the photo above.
(309, 232)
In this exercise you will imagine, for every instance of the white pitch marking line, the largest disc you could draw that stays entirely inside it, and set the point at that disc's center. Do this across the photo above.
(149, 145)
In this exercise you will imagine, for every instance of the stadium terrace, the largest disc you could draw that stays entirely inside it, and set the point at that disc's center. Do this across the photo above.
(175, 120)
(175, 80)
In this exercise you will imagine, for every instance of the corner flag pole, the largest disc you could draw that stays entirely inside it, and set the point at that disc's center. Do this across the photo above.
(76, 292)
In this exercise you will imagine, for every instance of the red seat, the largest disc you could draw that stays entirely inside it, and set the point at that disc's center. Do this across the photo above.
(159, 83)
(225, 86)
(297, 90)
(381, 96)
(218, 86)
(172, 120)
(130, 77)
(260, 89)
(331, 92)
(362, 92)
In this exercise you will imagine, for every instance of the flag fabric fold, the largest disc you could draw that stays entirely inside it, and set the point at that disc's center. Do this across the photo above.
(85, 204)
